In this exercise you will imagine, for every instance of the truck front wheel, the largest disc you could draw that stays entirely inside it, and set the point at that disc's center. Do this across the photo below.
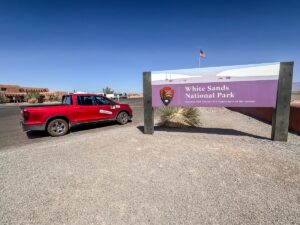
(122, 118)
(57, 127)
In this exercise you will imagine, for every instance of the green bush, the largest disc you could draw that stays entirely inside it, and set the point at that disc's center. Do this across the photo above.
(3, 98)
(107, 90)
(179, 117)
(31, 95)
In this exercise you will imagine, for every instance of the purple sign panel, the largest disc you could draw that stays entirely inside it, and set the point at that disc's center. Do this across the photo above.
(235, 86)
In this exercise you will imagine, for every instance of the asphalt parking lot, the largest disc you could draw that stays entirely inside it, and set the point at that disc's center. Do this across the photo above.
(11, 133)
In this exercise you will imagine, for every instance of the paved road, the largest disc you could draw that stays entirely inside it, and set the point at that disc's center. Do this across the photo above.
(12, 135)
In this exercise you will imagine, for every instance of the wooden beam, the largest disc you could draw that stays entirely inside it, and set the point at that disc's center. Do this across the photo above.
(281, 114)
(148, 109)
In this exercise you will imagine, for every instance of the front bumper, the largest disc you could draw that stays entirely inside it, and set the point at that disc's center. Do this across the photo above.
(31, 127)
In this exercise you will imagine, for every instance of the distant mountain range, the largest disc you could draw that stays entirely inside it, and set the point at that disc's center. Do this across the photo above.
(296, 87)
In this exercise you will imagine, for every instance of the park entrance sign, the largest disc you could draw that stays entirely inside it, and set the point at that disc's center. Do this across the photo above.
(256, 85)
(230, 86)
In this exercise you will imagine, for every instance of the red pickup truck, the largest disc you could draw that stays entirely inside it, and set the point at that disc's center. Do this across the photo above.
(75, 109)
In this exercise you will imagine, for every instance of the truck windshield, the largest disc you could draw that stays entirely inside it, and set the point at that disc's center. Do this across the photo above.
(67, 100)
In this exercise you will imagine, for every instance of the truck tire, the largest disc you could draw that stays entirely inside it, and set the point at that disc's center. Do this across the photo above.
(122, 118)
(57, 127)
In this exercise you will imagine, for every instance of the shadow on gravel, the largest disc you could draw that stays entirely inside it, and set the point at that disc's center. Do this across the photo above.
(36, 134)
(91, 126)
(206, 130)
(82, 127)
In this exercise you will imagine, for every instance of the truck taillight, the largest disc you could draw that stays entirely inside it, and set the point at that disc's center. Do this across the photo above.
(25, 115)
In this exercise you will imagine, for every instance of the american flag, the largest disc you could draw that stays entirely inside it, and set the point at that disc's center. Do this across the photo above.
(202, 54)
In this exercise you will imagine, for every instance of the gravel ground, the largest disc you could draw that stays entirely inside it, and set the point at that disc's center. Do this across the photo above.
(227, 172)
(296, 96)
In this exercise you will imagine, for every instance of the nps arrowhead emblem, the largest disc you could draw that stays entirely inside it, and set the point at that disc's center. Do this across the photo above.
(166, 95)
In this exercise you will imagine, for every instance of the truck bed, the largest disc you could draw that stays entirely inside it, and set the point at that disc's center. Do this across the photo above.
(40, 105)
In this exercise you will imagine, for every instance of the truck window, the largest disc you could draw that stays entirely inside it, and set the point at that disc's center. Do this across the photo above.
(85, 100)
(102, 101)
(67, 100)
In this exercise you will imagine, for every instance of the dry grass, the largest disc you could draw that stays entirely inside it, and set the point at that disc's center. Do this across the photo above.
(32, 100)
(179, 117)
(53, 98)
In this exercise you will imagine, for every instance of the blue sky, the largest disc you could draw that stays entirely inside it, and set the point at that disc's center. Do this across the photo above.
(86, 45)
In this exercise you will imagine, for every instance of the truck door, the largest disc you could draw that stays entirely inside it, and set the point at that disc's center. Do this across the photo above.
(106, 108)
(86, 109)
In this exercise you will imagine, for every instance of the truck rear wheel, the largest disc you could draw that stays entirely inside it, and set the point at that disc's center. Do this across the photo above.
(57, 127)
(122, 118)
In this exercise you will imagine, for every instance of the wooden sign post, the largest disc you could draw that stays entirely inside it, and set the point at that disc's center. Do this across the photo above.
(148, 109)
(281, 113)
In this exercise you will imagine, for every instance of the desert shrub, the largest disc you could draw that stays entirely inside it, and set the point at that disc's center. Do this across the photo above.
(3, 98)
(53, 98)
(179, 117)
(32, 100)
(31, 95)
(47, 98)
(57, 98)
